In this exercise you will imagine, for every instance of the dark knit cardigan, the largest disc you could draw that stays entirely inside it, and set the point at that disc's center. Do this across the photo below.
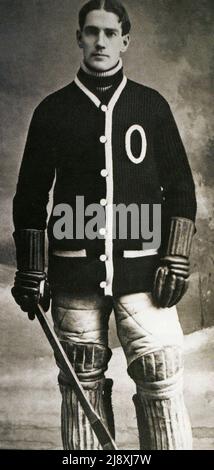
(64, 141)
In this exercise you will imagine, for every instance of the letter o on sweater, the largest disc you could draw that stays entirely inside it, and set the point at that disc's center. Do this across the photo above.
(129, 133)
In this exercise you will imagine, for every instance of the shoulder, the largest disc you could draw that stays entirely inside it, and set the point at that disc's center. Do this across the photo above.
(52, 103)
(151, 95)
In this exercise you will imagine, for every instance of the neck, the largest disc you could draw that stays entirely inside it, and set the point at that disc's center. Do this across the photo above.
(102, 84)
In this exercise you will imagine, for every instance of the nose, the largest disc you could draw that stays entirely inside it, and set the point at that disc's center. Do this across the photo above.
(100, 43)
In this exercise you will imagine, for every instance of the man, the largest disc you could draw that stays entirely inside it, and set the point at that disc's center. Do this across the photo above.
(112, 141)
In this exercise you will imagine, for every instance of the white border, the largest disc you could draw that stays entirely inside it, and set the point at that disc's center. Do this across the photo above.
(139, 253)
(70, 254)
(91, 95)
(109, 179)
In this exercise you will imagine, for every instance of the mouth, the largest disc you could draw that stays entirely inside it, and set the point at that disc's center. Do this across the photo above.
(98, 54)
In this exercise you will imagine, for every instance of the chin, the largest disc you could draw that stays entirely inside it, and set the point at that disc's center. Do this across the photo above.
(100, 66)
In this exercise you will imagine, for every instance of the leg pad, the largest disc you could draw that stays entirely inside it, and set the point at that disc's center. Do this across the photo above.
(77, 433)
(162, 418)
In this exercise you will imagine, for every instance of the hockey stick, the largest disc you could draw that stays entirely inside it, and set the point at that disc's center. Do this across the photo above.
(95, 421)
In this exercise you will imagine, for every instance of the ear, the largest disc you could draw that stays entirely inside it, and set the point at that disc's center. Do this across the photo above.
(79, 38)
(125, 42)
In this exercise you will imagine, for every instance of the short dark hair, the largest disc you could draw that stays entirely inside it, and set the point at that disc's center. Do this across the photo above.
(112, 6)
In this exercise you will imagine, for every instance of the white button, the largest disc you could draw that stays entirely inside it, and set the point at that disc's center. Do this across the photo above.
(102, 231)
(103, 284)
(104, 108)
(103, 258)
(103, 202)
(104, 173)
(103, 139)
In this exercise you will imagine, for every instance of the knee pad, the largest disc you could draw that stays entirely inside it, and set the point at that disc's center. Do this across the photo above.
(158, 374)
(89, 361)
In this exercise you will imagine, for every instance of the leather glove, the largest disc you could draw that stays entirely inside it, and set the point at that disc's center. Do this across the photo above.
(30, 285)
(171, 280)
(29, 289)
(172, 276)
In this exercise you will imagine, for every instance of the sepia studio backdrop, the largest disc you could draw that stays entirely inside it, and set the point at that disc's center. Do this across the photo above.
(170, 51)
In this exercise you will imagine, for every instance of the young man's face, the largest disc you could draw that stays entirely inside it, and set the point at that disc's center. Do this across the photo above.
(101, 40)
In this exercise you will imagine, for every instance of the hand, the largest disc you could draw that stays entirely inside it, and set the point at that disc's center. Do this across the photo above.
(171, 280)
(29, 289)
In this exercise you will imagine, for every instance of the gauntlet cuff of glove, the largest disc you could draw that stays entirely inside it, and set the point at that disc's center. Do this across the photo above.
(180, 237)
(30, 250)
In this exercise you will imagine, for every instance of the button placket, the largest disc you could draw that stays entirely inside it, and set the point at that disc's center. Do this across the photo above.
(106, 203)
(107, 173)
(103, 202)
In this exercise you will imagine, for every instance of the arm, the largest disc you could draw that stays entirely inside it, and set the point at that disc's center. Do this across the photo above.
(179, 211)
(36, 173)
(30, 214)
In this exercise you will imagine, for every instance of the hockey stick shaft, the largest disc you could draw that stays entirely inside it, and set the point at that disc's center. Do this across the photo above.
(95, 421)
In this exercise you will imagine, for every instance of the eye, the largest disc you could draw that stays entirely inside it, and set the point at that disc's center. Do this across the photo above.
(110, 34)
(91, 31)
